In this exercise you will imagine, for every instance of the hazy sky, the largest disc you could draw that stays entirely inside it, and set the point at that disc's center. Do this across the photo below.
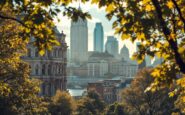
(98, 15)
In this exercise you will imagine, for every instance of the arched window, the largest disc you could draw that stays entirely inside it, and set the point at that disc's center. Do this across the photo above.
(56, 52)
(59, 52)
(37, 70)
(36, 53)
(29, 52)
(43, 69)
(49, 54)
(43, 89)
(49, 69)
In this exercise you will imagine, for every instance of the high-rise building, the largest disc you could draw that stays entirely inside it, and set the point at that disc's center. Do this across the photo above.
(125, 53)
(50, 68)
(79, 41)
(111, 45)
(98, 38)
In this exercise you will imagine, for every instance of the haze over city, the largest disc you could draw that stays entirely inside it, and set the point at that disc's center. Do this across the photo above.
(98, 15)
(78, 66)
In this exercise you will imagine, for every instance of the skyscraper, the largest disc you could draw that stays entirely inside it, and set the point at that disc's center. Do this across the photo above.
(111, 45)
(79, 41)
(98, 37)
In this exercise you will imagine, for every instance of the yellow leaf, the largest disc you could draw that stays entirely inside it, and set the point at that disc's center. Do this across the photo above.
(110, 7)
(125, 36)
(180, 23)
(171, 94)
(170, 4)
(41, 52)
(123, 21)
(149, 7)
(94, 1)
(140, 36)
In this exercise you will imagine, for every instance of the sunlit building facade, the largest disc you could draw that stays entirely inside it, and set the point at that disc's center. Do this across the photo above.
(50, 68)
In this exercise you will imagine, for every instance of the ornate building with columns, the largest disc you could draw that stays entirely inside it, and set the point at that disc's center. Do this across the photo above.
(50, 68)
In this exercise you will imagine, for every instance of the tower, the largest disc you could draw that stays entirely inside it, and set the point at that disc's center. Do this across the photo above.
(111, 45)
(98, 37)
(124, 53)
(79, 41)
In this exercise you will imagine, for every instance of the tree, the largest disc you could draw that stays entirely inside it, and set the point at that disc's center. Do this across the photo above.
(62, 104)
(36, 18)
(115, 109)
(90, 104)
(147, 103)
(18, 92)
(159, 25)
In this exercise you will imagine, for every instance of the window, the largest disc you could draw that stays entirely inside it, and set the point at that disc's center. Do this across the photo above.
(37, 70)
(43, 69)
(49, 54)
(36, 53)
(49, 69)
(29, 52)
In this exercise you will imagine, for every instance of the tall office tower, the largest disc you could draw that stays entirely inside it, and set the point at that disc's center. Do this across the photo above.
(111, 45)
(79, 41)
(98, 37)
(125, 53)
(50, 68)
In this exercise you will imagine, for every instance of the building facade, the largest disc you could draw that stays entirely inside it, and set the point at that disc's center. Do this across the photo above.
(106, 89)
(98, 37)
(124, 68)
(50, 68)
(79, 41)
(111, 46)
(125, 53)
(97, 68)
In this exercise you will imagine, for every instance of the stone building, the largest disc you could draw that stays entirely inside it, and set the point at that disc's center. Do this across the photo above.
(50, 68)
(124, 68)
(106, 89)
(98, 64)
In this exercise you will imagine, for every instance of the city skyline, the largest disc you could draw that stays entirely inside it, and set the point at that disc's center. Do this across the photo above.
(98, 15)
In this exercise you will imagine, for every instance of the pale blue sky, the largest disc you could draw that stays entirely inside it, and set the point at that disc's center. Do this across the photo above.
(98, 15)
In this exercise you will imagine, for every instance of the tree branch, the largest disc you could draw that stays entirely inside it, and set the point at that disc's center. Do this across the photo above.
(179, 11)
(166, 31)
(14, 19)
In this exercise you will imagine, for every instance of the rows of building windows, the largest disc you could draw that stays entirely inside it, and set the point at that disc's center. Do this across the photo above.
(47, 69)
(57, 52)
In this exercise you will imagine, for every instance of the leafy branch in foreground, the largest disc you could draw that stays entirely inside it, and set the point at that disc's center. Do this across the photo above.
(36, 18)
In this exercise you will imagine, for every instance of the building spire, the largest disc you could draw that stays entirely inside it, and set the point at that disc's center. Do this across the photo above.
(79, 8)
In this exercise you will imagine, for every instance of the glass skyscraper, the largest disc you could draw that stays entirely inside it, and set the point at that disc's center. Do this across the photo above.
(98, 38)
